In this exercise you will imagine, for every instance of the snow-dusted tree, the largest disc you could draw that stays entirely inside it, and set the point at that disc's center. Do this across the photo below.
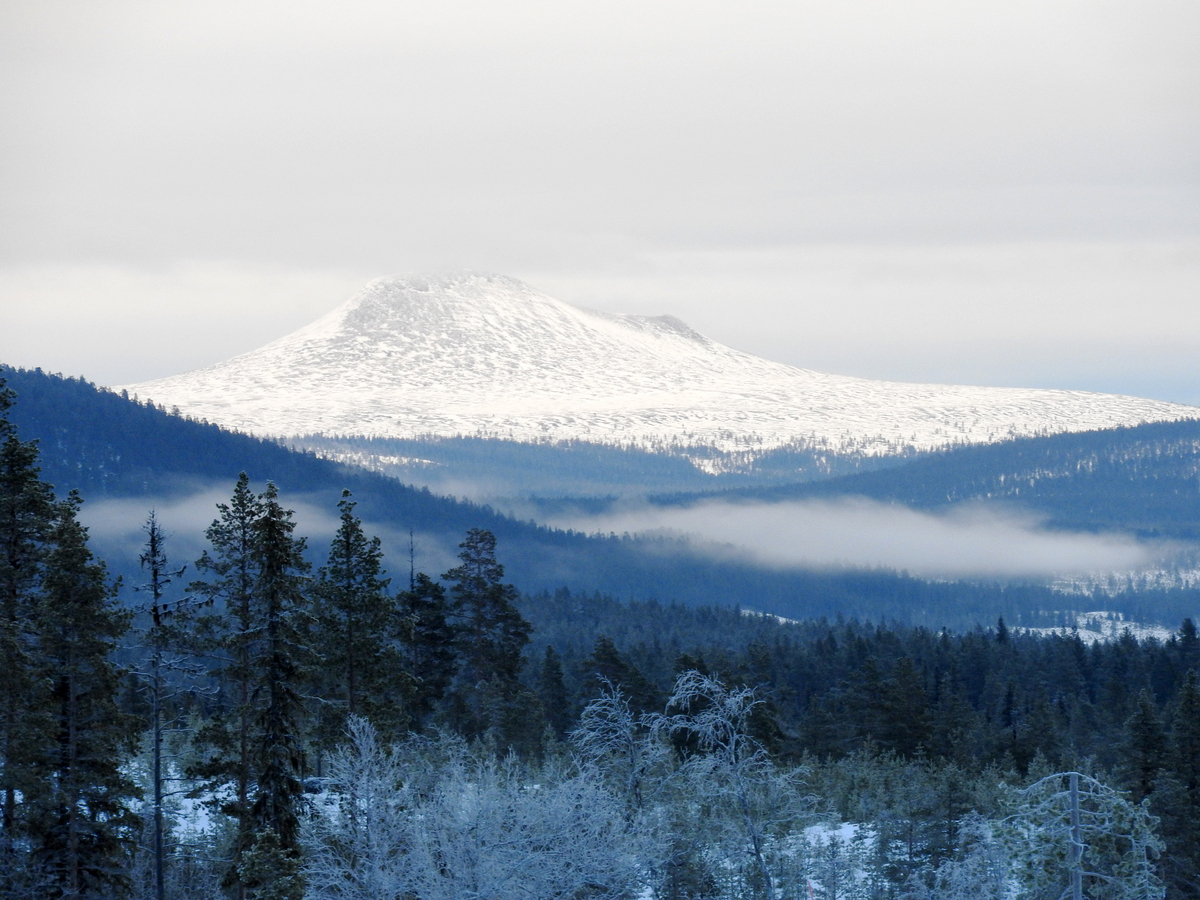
(356, 846)
(982, 872)
(1073, 837)
(836, 866)
(492, 831)
(733, 784)
(622, 746)
(469, 826)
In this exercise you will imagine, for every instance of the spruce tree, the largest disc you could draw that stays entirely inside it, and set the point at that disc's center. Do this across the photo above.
(1177, 797)
(427, 640)
(26, 514)
(1145, 747)
(606, 667)
(552, 691)
(360, 671)
(162, 672)
(231, 635)
(258, 632)
(270, 864)
(490, 636)
(81, 826)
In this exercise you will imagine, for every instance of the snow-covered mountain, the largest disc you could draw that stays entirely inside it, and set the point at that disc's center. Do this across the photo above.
(487, 355)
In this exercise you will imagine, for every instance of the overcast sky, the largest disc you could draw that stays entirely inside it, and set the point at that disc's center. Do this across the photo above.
(978, 192)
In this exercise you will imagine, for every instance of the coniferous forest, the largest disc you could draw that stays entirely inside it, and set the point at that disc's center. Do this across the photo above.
(250, 724)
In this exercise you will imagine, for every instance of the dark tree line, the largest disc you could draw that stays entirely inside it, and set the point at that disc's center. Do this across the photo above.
(66, 823)
(994, 704)
(1144, 477)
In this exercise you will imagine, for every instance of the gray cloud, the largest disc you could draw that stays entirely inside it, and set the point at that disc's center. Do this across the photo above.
(506, 135)
(857, 532)
(185, 182)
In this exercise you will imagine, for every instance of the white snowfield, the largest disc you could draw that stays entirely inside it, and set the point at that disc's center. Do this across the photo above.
(486, 355)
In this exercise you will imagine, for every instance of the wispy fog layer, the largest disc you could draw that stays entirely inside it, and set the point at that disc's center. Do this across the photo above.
(117, 535)
(858, 532)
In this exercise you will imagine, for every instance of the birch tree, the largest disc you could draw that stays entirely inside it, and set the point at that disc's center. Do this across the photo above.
(432, 820)
(744, 796)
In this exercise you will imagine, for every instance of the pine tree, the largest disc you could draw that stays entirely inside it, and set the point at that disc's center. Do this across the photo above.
(490, 636)
(81, 825)
(26, 514)
(360, 672)
(1072, 836)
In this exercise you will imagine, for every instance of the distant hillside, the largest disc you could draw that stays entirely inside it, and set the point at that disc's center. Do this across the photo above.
(1144, 480)
(482, 355)
(108, 446)
(505, 469)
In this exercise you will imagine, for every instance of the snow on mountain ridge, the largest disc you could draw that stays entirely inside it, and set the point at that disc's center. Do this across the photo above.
(474, 354)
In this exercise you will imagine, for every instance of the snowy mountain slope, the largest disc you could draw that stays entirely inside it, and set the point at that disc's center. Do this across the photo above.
(487, 355)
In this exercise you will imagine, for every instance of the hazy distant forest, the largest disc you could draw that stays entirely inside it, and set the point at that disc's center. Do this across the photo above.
(257, 726)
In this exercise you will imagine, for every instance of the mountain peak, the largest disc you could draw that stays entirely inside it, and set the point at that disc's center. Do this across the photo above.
(484, 354)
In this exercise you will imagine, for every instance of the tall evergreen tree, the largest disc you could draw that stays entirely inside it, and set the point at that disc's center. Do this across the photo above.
(232, 635)
(360, 672)
(490, 636)
(1145, 747)
(552, 691)
(427, 640)
(606, 667)
(271, 862)
(1177, 798)
(26, 514)
(164, 673)
(82, 828)
(258, 587)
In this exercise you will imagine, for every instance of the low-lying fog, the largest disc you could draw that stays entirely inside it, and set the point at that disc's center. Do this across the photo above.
(966, 542)
(971, 541)
(116, 530)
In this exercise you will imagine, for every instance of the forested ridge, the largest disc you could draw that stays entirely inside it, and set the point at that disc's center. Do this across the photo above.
(1143, 479)
(265, 728)
(108, 446)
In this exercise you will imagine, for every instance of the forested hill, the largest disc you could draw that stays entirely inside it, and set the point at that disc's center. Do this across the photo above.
(1144, 480)
(108, 446)
(105, 445)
